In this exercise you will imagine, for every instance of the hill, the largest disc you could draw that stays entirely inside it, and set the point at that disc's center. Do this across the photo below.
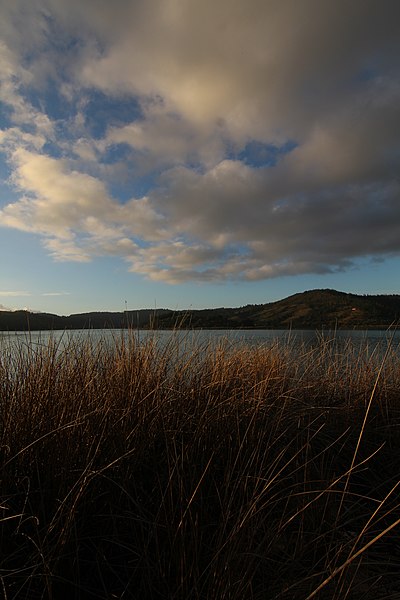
(314, 309)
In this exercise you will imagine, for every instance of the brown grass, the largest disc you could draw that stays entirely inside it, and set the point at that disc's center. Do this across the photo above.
(134, 470)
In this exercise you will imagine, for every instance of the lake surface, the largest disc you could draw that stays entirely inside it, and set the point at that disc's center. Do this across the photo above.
(253, 337)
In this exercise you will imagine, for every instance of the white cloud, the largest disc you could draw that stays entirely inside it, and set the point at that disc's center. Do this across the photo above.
(66, 251)
(74, 212)
(208, 78)
(85, 149)
(12, 76)
(14, 137)
(12, 293)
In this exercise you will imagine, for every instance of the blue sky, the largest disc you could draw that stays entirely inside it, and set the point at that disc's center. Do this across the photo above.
(181, 154)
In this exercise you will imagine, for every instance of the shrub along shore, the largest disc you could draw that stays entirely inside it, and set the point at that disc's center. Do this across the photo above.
(131, 470)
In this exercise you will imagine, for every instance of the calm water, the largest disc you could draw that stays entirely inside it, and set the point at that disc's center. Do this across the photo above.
(362, 339)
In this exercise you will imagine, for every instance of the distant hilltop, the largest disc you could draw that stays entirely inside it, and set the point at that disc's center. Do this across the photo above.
(314, 309)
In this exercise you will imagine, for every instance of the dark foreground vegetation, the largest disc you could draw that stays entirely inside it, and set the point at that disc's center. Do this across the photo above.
(134, 471)
(314, 309)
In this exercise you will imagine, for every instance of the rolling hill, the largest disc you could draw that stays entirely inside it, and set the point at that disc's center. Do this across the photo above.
(314, 309)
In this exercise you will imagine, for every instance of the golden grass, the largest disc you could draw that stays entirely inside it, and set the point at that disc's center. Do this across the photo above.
(134, 470)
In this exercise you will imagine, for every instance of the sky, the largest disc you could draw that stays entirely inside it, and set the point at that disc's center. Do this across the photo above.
(186, 154)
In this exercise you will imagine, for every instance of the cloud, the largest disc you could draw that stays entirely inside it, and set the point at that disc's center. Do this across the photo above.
(74, 212)
(265, 68)
(12, 78)
(171, 185)
(13, 294)
(17, 294)
(163, 138)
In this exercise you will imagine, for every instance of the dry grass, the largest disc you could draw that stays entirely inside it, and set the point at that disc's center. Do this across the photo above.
(224, 472)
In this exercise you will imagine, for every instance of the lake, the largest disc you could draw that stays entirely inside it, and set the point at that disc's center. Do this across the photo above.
(370, 340)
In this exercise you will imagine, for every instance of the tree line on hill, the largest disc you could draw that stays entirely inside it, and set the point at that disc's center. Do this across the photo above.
(314, 309)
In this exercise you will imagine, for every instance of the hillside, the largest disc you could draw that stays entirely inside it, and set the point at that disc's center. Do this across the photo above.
(315, 309)
(23, 320)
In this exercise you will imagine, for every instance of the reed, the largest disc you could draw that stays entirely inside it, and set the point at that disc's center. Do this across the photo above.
(223, 472)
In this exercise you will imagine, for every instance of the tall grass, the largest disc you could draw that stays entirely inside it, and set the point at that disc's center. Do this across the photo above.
(134, 470)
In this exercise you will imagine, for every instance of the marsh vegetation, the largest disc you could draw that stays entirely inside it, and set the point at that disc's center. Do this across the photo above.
(134, 470)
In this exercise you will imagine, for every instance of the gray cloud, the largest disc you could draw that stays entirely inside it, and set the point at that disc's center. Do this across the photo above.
(318, 78)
